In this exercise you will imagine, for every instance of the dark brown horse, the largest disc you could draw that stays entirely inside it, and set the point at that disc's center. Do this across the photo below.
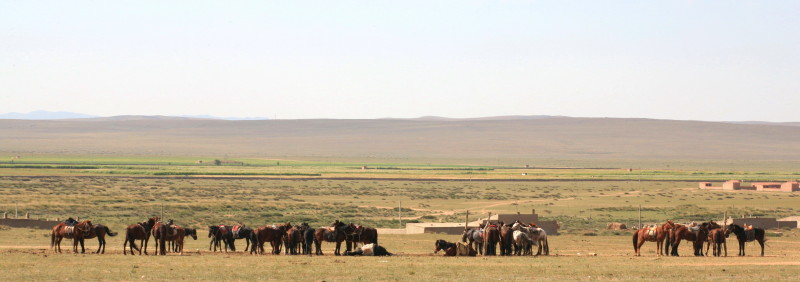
(506, 240)
(716, 238)
(272, 234)
(361, 234)
(743, 236)
(454, 249)
(181, 234)
(292, 240)
(221, 234)
(697, 235)
(139, 231)
(656, 234)
(491, 237)
(76, 233)
(100, 231)
(336, 233)
(448, 248)
(163, 233)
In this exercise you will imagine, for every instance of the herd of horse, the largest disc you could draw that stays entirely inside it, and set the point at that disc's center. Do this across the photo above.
(668, 237)
(169, 237)
(516, 238)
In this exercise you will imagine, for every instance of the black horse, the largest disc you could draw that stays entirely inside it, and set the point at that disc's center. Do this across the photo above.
(755, 234)
(474, 236)
(308, 238)
(242, 232)
(221, 233)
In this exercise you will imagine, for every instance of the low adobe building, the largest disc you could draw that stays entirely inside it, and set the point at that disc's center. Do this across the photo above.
(790, 186)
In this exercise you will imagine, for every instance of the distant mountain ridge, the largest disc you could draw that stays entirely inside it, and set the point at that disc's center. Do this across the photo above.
(48, 115)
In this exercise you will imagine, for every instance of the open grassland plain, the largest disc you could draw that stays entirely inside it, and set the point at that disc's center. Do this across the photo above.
(573, 257)
(118, 191)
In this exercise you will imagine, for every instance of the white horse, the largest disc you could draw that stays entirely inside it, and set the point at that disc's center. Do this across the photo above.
(536, 235)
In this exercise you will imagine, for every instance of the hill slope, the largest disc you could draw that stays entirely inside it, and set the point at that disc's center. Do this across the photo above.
(571, 138)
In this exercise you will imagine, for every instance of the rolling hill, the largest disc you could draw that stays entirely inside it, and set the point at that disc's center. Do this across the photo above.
(397, 139)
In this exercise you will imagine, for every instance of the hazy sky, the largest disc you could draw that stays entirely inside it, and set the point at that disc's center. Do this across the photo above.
(702, 60)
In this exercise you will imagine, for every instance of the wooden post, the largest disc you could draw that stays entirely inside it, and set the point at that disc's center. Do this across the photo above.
(488, 222)
(640, 216)
(466, 221)
(162, 212)
(16, 210)
(399, 213)
(725, 219)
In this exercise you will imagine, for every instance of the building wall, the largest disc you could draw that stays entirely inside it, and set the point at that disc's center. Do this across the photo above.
(731, 185)
(790, 186)
(445, 230)
(765, 223)
(29, 223)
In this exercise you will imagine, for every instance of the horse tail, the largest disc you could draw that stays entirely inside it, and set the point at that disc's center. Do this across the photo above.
(635, 240)
(464, 237)
(108, 231)
(52, 239)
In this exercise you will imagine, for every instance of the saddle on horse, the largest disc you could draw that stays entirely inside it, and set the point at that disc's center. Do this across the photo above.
(652, 231)
(69, 230)
(235, 229)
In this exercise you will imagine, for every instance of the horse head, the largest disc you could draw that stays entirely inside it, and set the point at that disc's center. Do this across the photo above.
(191, 232)
(85, 226)
(212, 230)
(440, 245)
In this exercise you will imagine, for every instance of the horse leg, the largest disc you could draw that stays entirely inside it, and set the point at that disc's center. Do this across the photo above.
(725, 245)
(741, 247)
(761, 242)
(638, 248)
(546, 247)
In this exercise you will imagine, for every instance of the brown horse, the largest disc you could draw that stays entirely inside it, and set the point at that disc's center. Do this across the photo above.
(100, 231)
(139, 231)
(361, 234)
(491, 237)
(273, 235)
(696, 236)
(716, 237)
(181, 234)
(454, 249)
(336, 233)
(656, 234)
(76, 233)
(506, 240)
(292, 240)
(163, 233)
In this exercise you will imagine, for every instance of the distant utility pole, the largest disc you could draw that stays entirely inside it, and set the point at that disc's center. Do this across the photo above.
(399, 213)
(16, 210)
